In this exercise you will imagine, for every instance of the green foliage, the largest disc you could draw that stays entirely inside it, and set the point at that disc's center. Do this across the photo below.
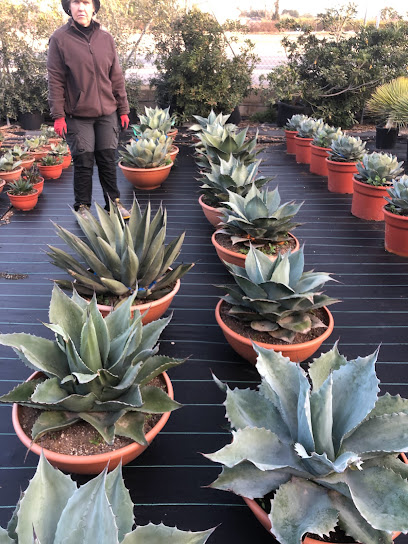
(51, 160)
(308, 127)
(389, 103)
(20, 187)
(97, 369)
(32, 174)
(155, 119)
(60, 148)
(325, 134)
(146, 152)
(398, 197)
(20, 153)
(379, 169)
(8, 162)
(295, 121)
(53, 510)
(347, 149)
(324, 443)
(195, 73)
(280, 85)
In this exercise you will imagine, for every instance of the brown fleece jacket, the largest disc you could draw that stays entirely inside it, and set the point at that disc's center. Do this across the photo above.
(84, 75)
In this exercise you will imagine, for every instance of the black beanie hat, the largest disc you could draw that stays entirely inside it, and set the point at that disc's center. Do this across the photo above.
(65, 6)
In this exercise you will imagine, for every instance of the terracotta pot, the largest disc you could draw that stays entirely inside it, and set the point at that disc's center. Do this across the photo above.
(2, 184)
(368, 201)
(38, 155)
(213, 215)
(11, 176)
(27, 163)
(50, 172)
(172, 133)
(156, 308)
(24, 202)
(54, 141)
(91, 464)
(290, 141)
(318, 163)
(303, 151)
(39, 186)
(236, 258)
(174, 150)
(340, 178)
(396, 233)
(296, 352)
(66, 161)
(146, 178)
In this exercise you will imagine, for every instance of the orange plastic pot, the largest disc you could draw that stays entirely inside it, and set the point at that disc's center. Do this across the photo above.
(39, 186)
(54, 141)
(91, 464)
(290, 141)
(66, 161)
(296, 352)
(146, 178)
(50, 172)
(155, 309)
(2, 184)
(318, 163)
(303, 150)
(396, 233)
(27, 163)
(368, 201)
(174, 150)
(340, 178)
(24, 203)
(172, 133)
(213, 215)
(236, 258)
(11, 176)
(38, 155)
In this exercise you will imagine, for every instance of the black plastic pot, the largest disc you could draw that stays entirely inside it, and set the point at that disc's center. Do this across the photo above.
(285, 112)
(385, 138)
(31, 121)
(235, 116)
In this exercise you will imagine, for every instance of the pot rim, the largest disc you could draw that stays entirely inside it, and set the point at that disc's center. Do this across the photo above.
(341, 162)
(23, 196)
(156, 168)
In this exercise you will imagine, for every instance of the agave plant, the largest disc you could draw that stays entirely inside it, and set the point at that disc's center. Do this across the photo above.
(379, 168)
(155, 118)
(20, 153)
(308, 127)
(35, 143)
(258, 218)
(398, 196)
(327, 452)
(276, 297)
(212, 119)
(49, 132)
(97, 369)
(389, 102)
(123, 258)
(230, 176)
(146, 152)
(294, 122)
(53, 510)
(60, 148)
(51, 160)
(8, 162)
(325, 134)
(19, 187)
(347, 149)
(150, 134)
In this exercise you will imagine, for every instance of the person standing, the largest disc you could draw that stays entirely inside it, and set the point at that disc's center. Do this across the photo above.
(86, 94)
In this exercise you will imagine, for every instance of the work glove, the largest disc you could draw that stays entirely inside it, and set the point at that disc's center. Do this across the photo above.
(124, 121)
(60, 126)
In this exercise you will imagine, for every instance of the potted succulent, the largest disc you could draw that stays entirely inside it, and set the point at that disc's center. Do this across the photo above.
(320, 147)
(275, 304)
(63, 151)
(10, 168)
(123, 259)
(33, 176)
(257, 220)
(37, 148)
(345, 153)
(230, 175)
(146, 162)
(22, 154)
(314, 453)
(396, 217)
(156, 133)
(375, 173)
(99, 511)
(22, 194)
(291, 129)
(212, 119)
(50, 166)
(50, 134)
(306, 130)
(157, 118)
(97, 370)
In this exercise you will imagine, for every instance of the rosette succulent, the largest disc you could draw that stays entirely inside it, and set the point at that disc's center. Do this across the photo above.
(54, 510)
(308, 127)
(294, 122)
(398, 196)
(212, 119)
(276, 297)
(19, 187)
(146, 152)
(20, 153)
(258, 218)
(379, 168)
(122, 258)
(60, 149)
(155, 118)
(8, 162)
(97, 369)
(323, 445)
(325, 134)
(347, 149)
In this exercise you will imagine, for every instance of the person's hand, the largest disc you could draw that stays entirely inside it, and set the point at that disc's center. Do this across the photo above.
(60, 126)
(124, 121)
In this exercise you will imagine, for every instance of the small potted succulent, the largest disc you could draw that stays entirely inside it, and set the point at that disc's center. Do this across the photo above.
(291, 129)
(275, 304)
(10, 168)
(63, 151)
(345, 153)
(145, 162)
(258, 220)
(320, 147)
(49, 133)
(229, 175)
(123, 259)
(33, 176)
(22, 194)
(306, 130)
(98, 370)
(396, 217)
(157, 118)
(37, 147)
(100, 511)
(212, 119)
(22, 154)
(50, 166)
(375, 173)
(153, 133)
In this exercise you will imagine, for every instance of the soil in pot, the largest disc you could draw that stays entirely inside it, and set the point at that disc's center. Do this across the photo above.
(224, 240)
